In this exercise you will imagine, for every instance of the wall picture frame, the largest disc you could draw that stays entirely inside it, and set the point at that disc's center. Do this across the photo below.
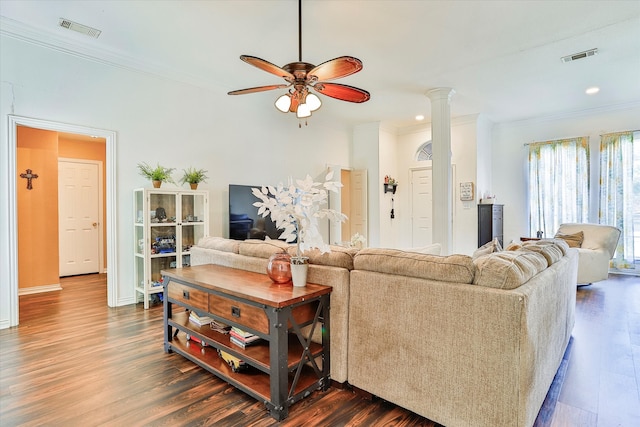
(466, 191)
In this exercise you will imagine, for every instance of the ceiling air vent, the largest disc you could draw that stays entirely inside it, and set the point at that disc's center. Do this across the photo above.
(580, 55)
(82, 29)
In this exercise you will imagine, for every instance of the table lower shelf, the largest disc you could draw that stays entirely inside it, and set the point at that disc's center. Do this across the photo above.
(256, 354)
(253, 382)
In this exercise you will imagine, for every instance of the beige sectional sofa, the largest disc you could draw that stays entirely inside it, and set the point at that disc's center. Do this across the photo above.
(460, 341)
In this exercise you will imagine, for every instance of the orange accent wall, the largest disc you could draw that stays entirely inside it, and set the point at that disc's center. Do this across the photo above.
(38, 263)
(89, 150)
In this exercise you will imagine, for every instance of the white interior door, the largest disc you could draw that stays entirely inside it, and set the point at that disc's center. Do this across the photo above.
(421, 207)
(79, 216)
(358, 218)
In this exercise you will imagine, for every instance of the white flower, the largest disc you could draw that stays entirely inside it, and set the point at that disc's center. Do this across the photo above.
(295, 209)
(358, 239)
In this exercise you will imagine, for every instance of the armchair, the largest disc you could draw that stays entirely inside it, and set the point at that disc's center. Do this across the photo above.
(598, 247)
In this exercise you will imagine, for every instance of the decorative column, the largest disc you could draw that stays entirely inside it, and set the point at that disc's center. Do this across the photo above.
(441, 156)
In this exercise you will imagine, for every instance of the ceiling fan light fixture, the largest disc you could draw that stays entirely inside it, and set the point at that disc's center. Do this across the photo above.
(313, 102)
(283, 103)
(303, 111)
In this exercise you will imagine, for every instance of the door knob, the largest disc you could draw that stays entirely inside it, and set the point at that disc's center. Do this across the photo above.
(95, 224)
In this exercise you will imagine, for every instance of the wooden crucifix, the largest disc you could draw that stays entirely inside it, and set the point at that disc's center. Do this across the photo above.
(29, 175)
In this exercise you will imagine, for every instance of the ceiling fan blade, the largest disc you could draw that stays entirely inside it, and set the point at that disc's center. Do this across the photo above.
(267, 66)
(342, 92)
(335, 68)
(257, 89)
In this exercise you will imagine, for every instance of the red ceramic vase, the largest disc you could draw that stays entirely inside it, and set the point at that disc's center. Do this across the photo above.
(279, 268)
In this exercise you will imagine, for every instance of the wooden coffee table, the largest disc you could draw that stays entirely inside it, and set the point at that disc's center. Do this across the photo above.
(286, 365)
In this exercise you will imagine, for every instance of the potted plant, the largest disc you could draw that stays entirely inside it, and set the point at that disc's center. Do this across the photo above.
(296, 209)
(157, 175)
(194, 177)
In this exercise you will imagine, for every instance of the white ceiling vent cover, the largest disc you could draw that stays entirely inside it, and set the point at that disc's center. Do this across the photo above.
(580, 55)
(82, 29)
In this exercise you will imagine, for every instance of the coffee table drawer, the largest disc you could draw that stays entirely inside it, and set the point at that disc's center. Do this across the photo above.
(188, 295)
(245, 314)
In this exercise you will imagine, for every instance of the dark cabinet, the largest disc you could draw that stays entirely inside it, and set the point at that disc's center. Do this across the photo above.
(489, 223)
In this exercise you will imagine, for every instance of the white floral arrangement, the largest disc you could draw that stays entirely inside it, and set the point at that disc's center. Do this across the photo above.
(296, 210)
(358, 240)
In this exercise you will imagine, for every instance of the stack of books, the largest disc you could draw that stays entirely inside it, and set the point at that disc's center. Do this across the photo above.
(242, 338)
(220, 327)
(199, 320)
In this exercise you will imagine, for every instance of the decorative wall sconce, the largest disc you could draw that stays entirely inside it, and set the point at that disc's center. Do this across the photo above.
(390, 185)
(390, 188)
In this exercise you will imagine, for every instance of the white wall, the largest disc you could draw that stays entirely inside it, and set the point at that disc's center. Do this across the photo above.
(464, 134)
(239, 140)
(389, 228)
(366, 155)
(510, 157)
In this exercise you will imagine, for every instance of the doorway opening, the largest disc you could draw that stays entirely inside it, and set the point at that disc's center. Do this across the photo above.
(11, 203)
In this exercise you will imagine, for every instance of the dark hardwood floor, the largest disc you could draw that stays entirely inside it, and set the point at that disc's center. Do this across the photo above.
(73, 361)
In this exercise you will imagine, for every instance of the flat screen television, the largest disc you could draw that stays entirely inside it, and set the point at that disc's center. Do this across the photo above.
(244, 221)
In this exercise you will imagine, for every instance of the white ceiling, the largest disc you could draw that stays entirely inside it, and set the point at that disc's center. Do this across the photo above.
(502, 58)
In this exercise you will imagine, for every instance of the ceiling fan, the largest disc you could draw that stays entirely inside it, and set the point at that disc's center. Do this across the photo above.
(302, 76)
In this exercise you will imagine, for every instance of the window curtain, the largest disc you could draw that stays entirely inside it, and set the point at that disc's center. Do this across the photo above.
(558, 184)
(617, 181)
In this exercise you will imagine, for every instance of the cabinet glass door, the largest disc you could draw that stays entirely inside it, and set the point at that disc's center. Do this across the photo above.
(193, 209)
(162, 208)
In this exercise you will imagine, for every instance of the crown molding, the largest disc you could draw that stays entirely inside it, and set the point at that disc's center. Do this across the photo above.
(571, 114)
(50, 40)
(426, 126)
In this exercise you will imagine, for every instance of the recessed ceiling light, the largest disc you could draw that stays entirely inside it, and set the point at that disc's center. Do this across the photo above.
(592, 90)
(419, 117)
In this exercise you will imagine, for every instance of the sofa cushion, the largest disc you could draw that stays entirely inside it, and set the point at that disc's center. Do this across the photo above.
(508, 269)
(338, 257)
(453, 268)
(261, 248)
(434, 249)
(487, 248)
(573, 240)
(219, 244)
(546, 248)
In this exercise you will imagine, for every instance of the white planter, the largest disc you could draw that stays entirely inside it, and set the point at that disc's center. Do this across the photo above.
(299, 269)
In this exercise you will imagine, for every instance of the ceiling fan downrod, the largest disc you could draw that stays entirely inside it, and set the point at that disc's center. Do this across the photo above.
(299, 30)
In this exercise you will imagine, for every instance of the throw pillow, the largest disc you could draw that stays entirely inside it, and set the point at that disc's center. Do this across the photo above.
(573, 240)
(513, 246)
(487, 248)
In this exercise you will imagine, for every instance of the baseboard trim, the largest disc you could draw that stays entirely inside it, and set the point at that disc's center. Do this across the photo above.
(39, 289)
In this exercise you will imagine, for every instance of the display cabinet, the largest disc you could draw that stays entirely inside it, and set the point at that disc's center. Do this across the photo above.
(489, 223)
(166, 224)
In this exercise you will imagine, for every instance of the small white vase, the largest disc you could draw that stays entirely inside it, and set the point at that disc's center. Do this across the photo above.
(299, 269)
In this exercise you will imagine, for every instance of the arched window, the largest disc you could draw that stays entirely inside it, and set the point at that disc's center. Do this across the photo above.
(424, 152)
